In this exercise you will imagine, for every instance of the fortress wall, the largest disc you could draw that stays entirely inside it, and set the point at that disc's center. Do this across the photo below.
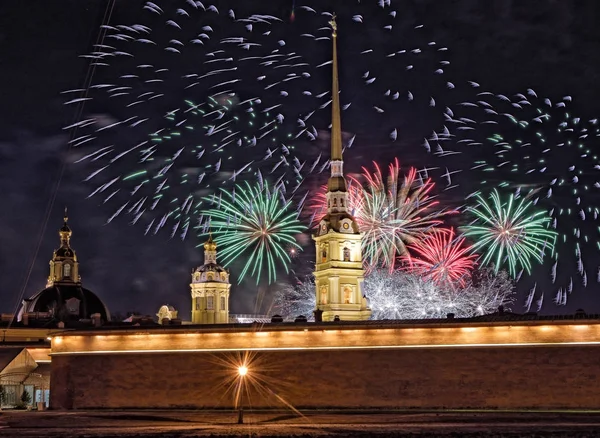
(563, 374)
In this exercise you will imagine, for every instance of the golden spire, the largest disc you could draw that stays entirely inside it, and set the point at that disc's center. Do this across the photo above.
(336, 124)
(210, 245)
(65, 232)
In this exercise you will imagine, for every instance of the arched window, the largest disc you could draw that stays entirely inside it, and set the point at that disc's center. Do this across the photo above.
(346, 254)
(222, 303)
(210, 303)
(197, 303)
(323, 299)
(210, 277)
(67, 270)
(347, 295)
(324, 255)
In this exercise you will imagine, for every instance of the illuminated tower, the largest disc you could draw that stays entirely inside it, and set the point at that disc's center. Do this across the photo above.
(338, 273)
(64, 267)
(210, 289)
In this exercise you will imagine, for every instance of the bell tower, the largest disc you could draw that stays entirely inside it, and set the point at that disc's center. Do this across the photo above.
(210, 289)
(64, 267)
(339, 273)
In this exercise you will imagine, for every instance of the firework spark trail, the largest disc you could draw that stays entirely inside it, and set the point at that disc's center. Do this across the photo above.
(199, 89)
(409, 296)
(442, 257)
(403, 295)
(509, 232)
(538, 149)
(296, 299)
(392, 211)
(254, 222)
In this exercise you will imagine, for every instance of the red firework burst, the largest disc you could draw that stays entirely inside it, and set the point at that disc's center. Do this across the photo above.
(392, 211)
(441, 256)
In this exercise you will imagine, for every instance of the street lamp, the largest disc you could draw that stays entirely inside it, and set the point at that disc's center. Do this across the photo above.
(242, 371)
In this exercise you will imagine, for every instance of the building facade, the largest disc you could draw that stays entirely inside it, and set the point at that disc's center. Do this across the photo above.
(210, 289)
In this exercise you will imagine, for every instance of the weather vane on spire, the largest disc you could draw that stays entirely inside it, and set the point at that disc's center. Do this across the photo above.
(66, 216)
(333, 25)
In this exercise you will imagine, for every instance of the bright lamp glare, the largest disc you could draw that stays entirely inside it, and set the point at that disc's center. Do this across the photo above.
(243, 370)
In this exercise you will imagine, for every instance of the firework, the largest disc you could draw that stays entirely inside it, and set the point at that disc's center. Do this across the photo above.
(254, 223)
(391, 212)
(167, 149)
(296, 299)
(537, 148)
(442, 257)
(403, 295)
(510, 232)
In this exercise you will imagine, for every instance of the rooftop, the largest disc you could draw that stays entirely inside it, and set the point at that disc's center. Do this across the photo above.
(497, 319)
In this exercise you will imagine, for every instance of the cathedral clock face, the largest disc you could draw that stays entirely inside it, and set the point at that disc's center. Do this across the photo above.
(346, 226)
(323, 228)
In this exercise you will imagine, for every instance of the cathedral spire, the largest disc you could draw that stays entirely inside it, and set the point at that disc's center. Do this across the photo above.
(210, 250)
(336, 186)
(64, 268)
(65, 232)
(339, 274)
(336, 124)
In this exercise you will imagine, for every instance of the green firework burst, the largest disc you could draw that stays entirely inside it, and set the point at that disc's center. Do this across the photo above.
(510, 231)
(255, 223)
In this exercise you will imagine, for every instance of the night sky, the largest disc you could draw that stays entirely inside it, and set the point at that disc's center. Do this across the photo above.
(506, 46)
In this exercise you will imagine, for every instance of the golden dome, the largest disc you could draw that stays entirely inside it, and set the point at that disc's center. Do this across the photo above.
(210, 245)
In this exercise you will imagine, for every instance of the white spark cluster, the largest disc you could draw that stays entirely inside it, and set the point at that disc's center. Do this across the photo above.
(296, 299)
(402, 295)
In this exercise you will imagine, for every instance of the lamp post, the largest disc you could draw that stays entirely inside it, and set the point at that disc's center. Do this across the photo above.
(242, 371)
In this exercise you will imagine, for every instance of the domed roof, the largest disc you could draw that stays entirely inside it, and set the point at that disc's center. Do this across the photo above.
(65, 228)
(210, 267)
(67, 302)
(64, 251)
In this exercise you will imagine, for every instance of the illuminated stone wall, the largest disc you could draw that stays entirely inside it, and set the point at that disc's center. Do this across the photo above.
(492, 366)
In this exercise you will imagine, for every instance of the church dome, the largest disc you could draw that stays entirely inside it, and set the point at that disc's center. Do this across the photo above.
(64, 298)
(67, 302)
(210, 271)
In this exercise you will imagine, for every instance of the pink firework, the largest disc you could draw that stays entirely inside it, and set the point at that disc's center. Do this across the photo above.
(441, 256)
(392, 211)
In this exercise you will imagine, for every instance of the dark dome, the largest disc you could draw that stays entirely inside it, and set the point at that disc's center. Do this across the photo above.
(64, 251)
(68, 302)
(210, 267)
